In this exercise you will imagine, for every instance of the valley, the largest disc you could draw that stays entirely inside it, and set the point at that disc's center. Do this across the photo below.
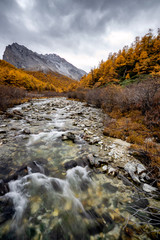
(54, 154)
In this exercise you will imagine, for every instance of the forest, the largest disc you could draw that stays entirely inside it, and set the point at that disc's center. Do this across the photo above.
(126, 87)
(129, 65)
(17, 85)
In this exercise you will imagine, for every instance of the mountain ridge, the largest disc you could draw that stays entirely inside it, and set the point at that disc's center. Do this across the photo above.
(22, 57)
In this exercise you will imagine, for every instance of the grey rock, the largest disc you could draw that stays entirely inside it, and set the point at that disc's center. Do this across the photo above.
(22, 57)
(131, 169)
(68, 136)
(26, 131)
(17, 112)
(147, 188)
(104, 168)
(70, 164)
(3, 131)
(91, 159)
(140, 168)
(112, 171)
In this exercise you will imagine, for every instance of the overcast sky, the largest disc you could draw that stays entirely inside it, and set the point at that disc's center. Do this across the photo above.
(82, 31)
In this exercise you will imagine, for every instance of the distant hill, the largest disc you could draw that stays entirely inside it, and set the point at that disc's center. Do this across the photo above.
(39, 81)
(140, 59)
(22, 57)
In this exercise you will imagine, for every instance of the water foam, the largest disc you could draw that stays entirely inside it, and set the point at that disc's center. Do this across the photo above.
(57, 191)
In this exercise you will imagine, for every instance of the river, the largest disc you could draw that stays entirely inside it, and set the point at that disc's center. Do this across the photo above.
(62, 179)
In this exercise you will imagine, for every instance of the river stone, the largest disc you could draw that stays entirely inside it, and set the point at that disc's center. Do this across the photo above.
(17, 112)
(147, 188)
(70, 164)
(3, 187)
(68, 136)
(140, 202)
(26, 131)
(131, 169)
(3, 131)
(94, 140)
(91, 159)
(112, 171)
(140, 168)
(110, 188)
(6, 212)
(104, 168)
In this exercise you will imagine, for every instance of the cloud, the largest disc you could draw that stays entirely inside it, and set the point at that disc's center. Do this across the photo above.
(77, 30)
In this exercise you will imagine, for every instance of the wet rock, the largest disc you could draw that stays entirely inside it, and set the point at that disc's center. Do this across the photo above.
(23, 171)
(57, 233)
(33, 167)
(96, 226)
(56, 186)
(68, 136)
(26, 131)
(140, 202)
(110, 188)
(109, 222)
(91, 159)
(148, 188)
(82, 161)
(6, 211)
(70, 164)
(3, 187)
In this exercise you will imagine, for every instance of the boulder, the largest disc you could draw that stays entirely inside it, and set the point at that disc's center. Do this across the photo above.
(68, 136)
(70, 164)
(131, 169)
(148, 188)
(3, 187)
(26, 131)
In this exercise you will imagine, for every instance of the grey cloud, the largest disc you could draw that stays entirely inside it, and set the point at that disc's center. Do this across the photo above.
(70, 25)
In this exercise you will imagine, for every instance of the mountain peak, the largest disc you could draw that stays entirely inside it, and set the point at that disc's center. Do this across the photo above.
(21, 57)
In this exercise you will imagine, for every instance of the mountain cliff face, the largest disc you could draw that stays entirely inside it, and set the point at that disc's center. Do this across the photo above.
(22, 57)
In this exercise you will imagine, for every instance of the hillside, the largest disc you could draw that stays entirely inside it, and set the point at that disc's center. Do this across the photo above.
(127, 88)
(22, 57)
(11, 76)
(141, 58)
(60, 82)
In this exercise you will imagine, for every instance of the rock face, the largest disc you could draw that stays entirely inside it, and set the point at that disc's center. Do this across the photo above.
(22, 57)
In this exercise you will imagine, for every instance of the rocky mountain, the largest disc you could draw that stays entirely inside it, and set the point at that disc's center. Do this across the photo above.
(22, 57)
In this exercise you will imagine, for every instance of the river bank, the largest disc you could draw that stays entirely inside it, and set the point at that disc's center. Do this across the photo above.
(57, 149)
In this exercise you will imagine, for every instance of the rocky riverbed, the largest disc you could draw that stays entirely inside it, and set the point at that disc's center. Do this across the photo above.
(61, 178)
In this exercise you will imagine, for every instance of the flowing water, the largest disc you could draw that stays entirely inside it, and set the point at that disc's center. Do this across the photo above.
(46, 199)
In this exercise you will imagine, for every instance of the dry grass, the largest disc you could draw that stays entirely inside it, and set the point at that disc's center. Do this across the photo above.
(9, 96)
(133, 113)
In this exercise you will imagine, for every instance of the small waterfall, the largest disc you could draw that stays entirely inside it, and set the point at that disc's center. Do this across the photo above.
(57, 195)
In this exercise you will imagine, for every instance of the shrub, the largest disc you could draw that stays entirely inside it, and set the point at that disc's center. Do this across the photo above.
(10, 96)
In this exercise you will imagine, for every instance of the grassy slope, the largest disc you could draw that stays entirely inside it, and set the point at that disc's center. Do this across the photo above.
(133, 114)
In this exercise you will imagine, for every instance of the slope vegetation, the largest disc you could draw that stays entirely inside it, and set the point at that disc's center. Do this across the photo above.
(127, 88)
(11, 76)
(141, 58)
